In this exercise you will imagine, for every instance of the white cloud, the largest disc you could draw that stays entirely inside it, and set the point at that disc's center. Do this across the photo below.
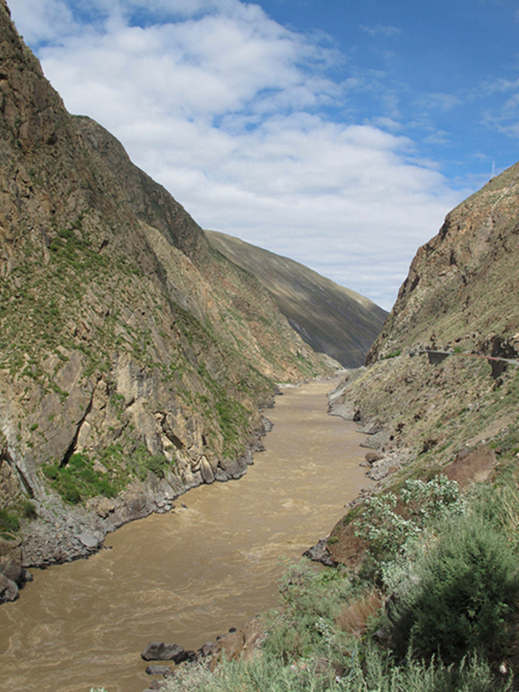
(227, 109)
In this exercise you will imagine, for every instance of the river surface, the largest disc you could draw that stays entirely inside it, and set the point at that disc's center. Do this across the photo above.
(186, 576)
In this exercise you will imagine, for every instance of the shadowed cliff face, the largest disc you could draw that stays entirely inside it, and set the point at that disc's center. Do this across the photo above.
(460, 296)
(332, 319)
(133, 357)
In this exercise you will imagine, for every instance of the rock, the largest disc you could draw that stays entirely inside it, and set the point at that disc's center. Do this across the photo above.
(207, 471)
(377, 441)
(345, 410)
(159, 670)
(88, 540)
(158, 651)
(378, 471)
(207, 649)
(12, 569)
(319, 553)
(371, 457)
(369, 429)
(8, 589)
(104, 506)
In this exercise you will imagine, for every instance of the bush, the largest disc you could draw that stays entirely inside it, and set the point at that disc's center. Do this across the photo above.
(9, 522)
(77, 481)
(388, 523)
(29, 510)
(158, 465)
(312, 601)
(468, 584)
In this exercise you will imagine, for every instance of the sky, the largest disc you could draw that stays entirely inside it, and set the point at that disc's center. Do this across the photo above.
(338, 133)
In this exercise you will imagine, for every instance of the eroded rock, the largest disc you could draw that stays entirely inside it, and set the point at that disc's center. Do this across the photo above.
(159, 651)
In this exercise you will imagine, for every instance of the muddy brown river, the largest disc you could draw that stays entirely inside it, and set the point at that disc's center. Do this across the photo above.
(186, 576)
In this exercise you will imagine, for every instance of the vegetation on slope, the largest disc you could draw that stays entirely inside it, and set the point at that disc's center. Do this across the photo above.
(434, 607)
(132, 355)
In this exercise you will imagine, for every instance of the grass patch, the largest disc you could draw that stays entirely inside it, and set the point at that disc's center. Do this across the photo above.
(78, 480)
(9, 523)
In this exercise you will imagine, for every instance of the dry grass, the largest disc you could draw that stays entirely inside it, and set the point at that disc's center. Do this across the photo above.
(358, 612)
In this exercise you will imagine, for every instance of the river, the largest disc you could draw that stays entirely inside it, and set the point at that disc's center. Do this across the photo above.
(186, 576)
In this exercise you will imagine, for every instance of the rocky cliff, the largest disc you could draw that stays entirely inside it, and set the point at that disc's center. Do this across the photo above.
(460, 297)
(330, 318)
(133, 356)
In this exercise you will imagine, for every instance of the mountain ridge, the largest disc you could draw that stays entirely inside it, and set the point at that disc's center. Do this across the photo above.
(332, 319)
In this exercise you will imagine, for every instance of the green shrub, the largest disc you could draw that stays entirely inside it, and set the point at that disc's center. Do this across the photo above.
(388, 523)
(158, 465)
(311, 602)
(29, 510)
(468, 584)
(9, 522)
(77, 480)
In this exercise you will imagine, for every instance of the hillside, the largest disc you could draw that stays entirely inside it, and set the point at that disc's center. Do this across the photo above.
(330, 318)
(133, 357)
(460, 296)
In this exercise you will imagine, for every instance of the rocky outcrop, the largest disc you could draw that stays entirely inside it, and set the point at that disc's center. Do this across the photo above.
(133, 357)
(459, 298)
(332, 319)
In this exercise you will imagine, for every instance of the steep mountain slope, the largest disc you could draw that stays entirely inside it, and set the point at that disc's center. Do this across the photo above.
(332, 319)
(460, 296)
(133, 357)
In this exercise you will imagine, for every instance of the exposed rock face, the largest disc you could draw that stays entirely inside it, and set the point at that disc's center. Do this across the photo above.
(460, 296)
(462, 285)
(133, 357)
(332, 319)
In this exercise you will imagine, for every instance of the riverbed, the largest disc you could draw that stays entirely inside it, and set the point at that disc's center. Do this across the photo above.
(184, 577)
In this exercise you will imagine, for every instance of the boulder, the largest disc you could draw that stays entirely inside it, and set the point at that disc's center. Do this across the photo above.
(319, 553)
(377, 441)
(89, 540)
(8, 589)
(206, 471)
(12, 569)
(158, 651)
(345, 410)
(371, 457)
(159, 670)
(207, 649)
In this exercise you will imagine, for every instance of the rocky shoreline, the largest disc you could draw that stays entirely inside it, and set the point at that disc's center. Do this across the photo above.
(63, 533)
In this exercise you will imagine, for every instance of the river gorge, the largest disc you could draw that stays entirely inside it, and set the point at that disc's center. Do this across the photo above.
(184, 577)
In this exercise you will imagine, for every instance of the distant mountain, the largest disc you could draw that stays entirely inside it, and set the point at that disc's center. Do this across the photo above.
(332, 319)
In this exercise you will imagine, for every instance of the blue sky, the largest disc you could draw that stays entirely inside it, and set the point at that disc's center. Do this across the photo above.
(335, 132)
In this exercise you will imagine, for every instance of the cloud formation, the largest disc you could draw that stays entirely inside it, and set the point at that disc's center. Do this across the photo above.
(231, 112)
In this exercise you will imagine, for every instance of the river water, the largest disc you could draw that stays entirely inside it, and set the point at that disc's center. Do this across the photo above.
(186, 576)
